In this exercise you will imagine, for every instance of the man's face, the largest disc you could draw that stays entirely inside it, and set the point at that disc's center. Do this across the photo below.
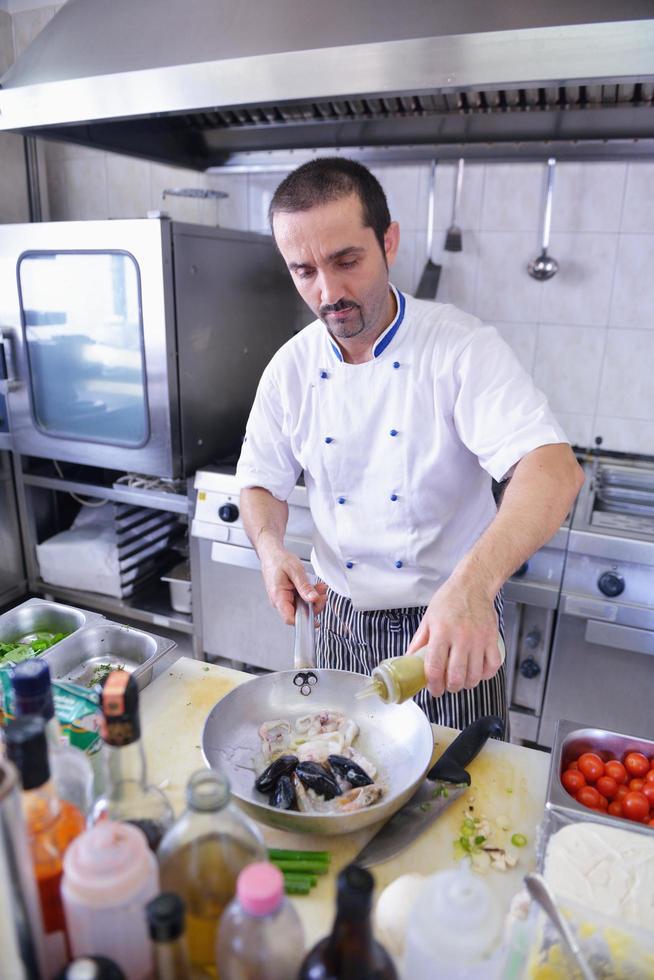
(338, 266)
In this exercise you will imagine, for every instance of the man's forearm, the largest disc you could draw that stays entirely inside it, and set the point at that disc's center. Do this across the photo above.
(264, 519)
(536, 501)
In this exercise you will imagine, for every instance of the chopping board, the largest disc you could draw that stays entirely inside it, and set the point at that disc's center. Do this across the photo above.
(508, 781)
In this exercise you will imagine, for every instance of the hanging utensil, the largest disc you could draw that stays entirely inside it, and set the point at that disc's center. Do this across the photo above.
(428, 285)
(453, 235)
(544, 267)
(539, 891)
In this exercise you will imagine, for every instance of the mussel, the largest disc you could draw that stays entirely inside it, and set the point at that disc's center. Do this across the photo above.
(349, 770)
(283, 766)
(316, 777)
(283, 795)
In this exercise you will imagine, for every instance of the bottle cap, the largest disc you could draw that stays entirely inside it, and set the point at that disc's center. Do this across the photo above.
(106, 866)
(28, 750)
(32, 689)
(207, 790)
(91, 968)
(260, 888)
(120, 709)
(165, 915)
(354, 889)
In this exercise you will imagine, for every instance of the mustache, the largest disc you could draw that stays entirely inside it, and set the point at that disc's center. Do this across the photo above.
(338, 307)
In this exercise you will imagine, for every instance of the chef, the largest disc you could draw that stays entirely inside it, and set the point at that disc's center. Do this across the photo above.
(400, 412)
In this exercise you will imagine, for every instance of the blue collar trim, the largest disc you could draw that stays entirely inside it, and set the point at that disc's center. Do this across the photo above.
(390, 331)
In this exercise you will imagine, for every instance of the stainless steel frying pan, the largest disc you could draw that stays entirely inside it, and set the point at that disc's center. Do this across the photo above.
(397, 738)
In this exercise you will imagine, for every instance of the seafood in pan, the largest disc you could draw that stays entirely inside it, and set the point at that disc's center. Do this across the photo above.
(312, 765)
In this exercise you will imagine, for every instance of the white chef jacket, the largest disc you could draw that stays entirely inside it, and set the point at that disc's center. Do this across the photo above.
(397, 452)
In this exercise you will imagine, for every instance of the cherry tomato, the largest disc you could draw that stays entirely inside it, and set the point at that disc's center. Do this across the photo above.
(635, 806)
(591, 766)
(650, 823)
(607, 786)
(649, 778)
(615, 809)
(636, 764)
(636, 785)
(573, 780)
(603, 803)
(621, 793)
(648, 791)
(588, 796)
(616, 771)
(574, 765)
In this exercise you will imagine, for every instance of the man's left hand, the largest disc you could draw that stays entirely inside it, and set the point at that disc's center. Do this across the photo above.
(460, 631)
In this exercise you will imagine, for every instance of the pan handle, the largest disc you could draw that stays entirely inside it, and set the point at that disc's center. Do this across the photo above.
(304, 651)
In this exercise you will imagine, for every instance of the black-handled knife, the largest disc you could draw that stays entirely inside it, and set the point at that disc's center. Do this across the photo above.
(445, 782)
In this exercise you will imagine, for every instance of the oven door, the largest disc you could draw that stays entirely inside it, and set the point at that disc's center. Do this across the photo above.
(88, 326)
(237, 621)
(601, 675)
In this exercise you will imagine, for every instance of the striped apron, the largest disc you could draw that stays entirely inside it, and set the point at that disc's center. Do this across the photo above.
(358, 641)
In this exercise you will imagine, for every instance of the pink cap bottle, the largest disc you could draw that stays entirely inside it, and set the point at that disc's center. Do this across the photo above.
(110, 874)
(260, 888)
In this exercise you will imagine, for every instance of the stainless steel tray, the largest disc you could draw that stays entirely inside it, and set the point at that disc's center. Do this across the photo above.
(570, 741)
(76, 658)
(41, 614)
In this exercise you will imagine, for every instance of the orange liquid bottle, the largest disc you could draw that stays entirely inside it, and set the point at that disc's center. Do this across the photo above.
(51, 825)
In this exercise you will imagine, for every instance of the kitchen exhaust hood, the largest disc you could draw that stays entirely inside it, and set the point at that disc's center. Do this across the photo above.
(219, 83)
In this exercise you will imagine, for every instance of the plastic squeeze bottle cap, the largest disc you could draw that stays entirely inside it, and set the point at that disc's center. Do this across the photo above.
(107, 864)
(260, 888)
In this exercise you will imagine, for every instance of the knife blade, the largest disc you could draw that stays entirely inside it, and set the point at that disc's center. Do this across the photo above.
(444, 783)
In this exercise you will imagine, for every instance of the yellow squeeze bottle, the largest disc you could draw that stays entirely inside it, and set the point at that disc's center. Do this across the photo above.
(399, 678)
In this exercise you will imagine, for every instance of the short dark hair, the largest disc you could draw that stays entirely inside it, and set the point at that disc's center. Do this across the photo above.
(328, 179)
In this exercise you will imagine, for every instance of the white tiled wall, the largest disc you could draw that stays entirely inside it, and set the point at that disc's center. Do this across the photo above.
(587, 335)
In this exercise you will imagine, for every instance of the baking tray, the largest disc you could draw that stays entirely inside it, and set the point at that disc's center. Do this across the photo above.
(570, 741)
(76, 658)
(41, 614)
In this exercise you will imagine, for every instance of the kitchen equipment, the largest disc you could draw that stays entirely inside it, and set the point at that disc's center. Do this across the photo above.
(179, 582)
(37, 615)
(137, 345)
(445, 782)
(544, 266)
(453, 236)
(13, 582)
(539, 891)
(429, 279)
(78, 658)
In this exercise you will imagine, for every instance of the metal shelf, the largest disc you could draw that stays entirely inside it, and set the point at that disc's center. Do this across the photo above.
(150, 606)
(158, 500)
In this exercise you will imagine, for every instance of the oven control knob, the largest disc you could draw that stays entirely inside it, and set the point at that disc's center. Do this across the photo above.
(228, 513)
(610, 584)
(522, 571)
(529, 668)
(533, 638)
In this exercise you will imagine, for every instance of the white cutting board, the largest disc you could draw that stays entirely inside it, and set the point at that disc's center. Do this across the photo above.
(175, 706)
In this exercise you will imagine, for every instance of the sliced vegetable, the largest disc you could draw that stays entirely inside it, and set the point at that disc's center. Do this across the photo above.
(518, 840)
(280, 854)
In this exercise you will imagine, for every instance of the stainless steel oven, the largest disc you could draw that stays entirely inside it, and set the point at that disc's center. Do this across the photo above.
(137, 345)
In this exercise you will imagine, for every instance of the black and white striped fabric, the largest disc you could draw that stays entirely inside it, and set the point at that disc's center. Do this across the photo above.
(358, 641)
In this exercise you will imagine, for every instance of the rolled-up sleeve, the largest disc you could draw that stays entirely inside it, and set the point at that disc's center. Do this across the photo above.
(266, 459)
(499, 413)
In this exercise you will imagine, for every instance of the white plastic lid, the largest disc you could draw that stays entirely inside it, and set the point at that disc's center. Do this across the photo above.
(108, 864)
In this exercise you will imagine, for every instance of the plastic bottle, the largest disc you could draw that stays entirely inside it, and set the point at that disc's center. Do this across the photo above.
(454, 929)
(71, 770)
(166, 924)
(397, 679)
(260, 935)
(52, 824)
(128, 795)
(201, 857)
(351, 952)
(109, 876)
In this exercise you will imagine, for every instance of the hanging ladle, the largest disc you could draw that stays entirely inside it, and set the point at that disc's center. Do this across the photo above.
(544, 267)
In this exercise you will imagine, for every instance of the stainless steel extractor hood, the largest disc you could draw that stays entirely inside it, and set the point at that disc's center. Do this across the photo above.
(210, 83)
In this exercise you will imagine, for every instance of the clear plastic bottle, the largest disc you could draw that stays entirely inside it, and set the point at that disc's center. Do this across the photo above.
(128, 796)
(201, 857)
(454, 929)
(71, 770)
(260, 935)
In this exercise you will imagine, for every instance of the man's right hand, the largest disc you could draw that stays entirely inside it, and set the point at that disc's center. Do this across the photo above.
(284, 577)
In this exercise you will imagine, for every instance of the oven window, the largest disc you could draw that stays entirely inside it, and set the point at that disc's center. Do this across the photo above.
(84, 337)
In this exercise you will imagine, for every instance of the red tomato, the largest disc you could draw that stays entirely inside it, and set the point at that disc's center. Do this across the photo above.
(574, 765)
(615, 809)
(591, 766)
(635, 806)
(573, 780)
(621, 793)
(607, 786)
(650, 823)
(603, 803)
(616, 771)
(636, 785)
(649, 778)
(588, 796)
(636, 764)
(648, 791)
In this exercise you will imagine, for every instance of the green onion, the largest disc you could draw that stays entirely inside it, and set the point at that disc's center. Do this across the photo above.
(297, 887)
(425, 806)
(518, 840)
(279, 854)
(309, 867)
(292, 878)
(479, 840)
